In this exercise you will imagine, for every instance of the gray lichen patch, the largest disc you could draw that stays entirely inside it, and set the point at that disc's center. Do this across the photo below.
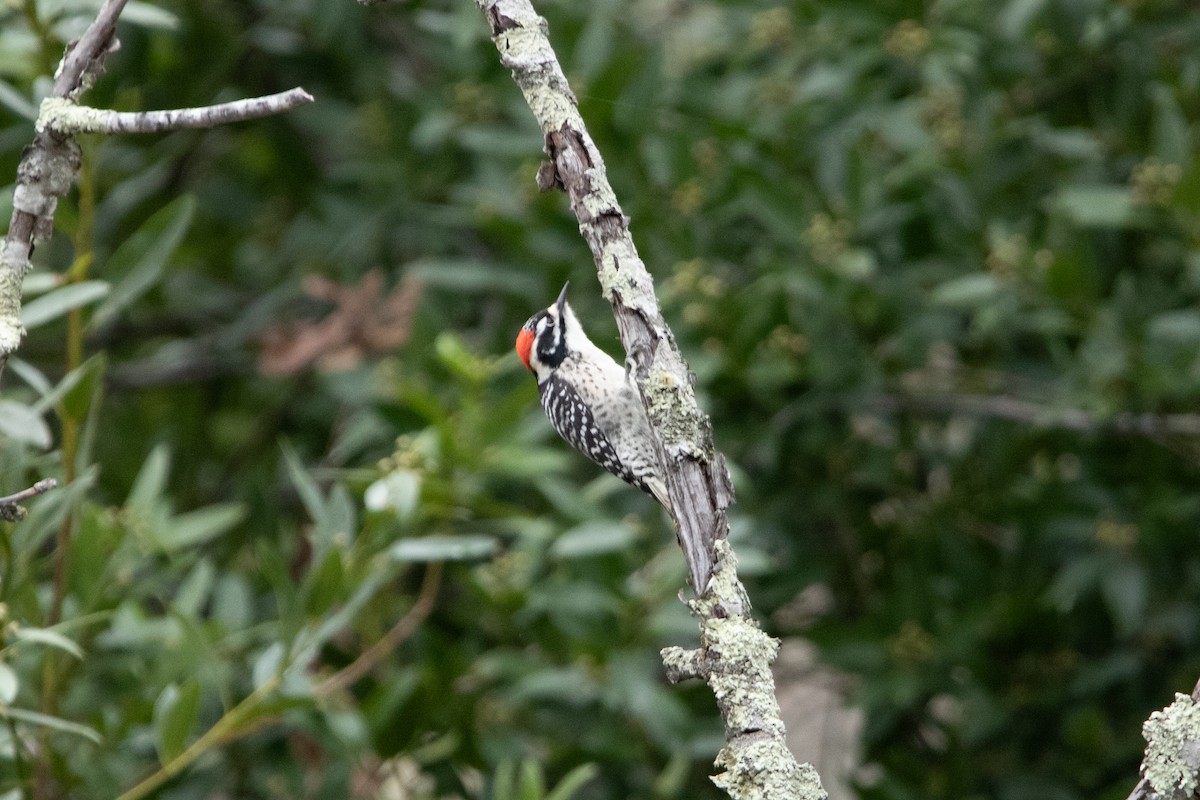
(672, 408)
(601, 199)
(550, 105)
(1173, 748)
(742, 651)
(10, 309)
(612, 276)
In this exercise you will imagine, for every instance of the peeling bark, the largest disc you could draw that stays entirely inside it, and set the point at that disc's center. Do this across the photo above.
(735, 655)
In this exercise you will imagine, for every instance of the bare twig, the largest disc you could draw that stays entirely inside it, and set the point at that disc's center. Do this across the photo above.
(1030, 413)
(64, 116)
(373, 655)
(735, 655)
(10, 508)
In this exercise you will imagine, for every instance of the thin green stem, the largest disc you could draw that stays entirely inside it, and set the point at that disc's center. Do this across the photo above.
(70, 453)
(70, 423)
(225, 728)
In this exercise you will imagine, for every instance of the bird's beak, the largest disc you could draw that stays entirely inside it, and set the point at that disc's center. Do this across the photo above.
(562, 299)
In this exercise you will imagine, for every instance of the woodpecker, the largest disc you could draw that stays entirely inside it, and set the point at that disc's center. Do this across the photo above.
(590, 399)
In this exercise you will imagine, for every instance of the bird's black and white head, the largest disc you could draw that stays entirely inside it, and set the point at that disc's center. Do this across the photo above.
(549, 336)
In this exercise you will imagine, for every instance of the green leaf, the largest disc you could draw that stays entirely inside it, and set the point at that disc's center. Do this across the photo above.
(306, 487)
(195, 527)
(233, 602)
(175, 713)
(325, 584)
(968, 291)
(376, 580)
(1179, 327)
(53, 723)
(573, 781)
(341, 515)
(504, 781)
(1097, 206)
(1126, 594)
(151, 480)
(9, 684)
(81, 395)
(593, 539)
(454, 354)
(49, 638)
(51, 306)
(196, 588)
(1013, 20)
(268, 664)
(38, 282)
(149, 16)
(445, 548)
(20, 423)
(532, 784)
(1170, 129)
(17, 102)
(856, 264)
(142, 257)
(34, 377)
(92, 368)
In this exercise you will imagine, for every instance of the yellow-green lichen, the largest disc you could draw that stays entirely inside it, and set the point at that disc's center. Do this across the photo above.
(65, 116)
(1173, 748)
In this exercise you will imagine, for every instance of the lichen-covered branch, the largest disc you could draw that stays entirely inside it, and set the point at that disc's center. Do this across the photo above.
(65, 116)
(696, 476)
(46, 172)
(49, 165)
(735, 655)
(734, 659)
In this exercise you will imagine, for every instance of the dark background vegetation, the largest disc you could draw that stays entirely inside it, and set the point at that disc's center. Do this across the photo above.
(921, 257)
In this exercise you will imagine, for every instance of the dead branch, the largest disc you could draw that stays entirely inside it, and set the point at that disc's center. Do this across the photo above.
(735, 655)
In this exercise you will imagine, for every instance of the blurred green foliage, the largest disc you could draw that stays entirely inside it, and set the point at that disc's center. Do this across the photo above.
(873, 226)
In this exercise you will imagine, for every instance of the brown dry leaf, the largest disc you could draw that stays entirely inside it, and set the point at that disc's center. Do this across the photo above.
(362, 322)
